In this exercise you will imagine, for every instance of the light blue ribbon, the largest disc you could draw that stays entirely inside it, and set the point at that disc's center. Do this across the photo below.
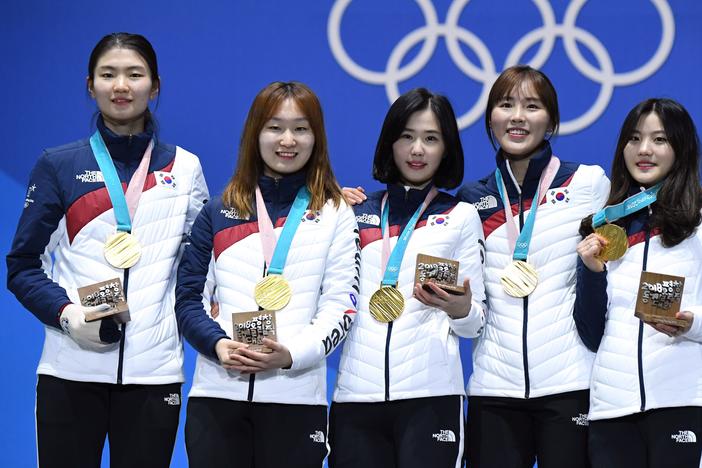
(292, 222)
(631, 205)
(112, 182)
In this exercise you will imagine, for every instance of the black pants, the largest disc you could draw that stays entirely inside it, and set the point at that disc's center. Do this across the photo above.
(73, 419)
(514, 432)
(225, 433)
(412, 433)
(661, 438)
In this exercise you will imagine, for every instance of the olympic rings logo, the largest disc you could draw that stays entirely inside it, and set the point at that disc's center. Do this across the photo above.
(547, 34)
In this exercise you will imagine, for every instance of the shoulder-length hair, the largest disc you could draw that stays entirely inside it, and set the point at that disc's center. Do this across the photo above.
(679, 200)
(320, 180)
(513, 78)
(449, 174)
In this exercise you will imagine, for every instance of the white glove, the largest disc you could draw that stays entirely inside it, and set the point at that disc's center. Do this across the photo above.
(86, 334)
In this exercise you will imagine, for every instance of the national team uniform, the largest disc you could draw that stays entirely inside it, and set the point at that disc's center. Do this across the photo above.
(278, 417)
(528, 393)
(131, 390)
(399, 394)
(646, 394)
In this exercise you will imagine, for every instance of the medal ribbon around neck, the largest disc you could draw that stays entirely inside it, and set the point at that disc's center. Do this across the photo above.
(617, 241)
(273, 291)
(122, 250)
(519, 279)
(387, 303)
(631, 205)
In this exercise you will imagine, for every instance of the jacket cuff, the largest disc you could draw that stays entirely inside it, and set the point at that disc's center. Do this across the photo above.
(471, 325)
(303, 355)
(209, 349)
(695, 331)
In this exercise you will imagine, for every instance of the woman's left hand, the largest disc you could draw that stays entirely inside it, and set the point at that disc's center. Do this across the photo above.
(455, 306)
(675, 330)
(251, 362)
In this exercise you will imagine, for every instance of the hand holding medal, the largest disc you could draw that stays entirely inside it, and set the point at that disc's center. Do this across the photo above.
(590, 252)
(616, 239)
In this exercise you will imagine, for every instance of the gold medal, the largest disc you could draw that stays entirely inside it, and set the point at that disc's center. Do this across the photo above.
(272, 292)
(519, 279)
(386, 304)
(122, 250)
(617, 242)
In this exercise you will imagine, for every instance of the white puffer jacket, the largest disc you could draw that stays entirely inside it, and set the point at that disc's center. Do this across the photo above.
(530, 347)
(672, 375)
(421, 347)
(321, 269)
(66, 188)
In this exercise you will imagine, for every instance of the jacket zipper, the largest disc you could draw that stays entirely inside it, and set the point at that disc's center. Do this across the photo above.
(642, 390)
(120, 363)
(525, 318)
(252, 377)
(387, 362)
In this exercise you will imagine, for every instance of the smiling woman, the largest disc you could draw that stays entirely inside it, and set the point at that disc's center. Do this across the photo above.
(528, 394)
(119, 376)
(122, 84)
(258, 398)
(653, 400)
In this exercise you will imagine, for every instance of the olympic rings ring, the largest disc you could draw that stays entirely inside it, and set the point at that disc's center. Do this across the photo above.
(546, 34)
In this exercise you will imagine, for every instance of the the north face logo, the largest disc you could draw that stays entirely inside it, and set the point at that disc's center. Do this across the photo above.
(580, 420)
(445, 435)
(90, 176)
(366, 218)
(684, 437)
(486, 203)
(317, 436)
(173, 399)
(231, 213)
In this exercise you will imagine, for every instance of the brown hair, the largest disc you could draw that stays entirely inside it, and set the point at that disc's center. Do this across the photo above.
(320, 180)
(512, 78)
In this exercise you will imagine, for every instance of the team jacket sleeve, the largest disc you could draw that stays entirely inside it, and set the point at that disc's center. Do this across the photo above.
(590, 305)
(695, 331)
(600, 189)
(194, 323)
(29, 260)
(471, 257)
(199, 195)
(336, 306)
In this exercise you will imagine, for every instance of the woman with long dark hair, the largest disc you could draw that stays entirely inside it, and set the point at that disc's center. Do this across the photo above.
(646, 395)
(79, 228)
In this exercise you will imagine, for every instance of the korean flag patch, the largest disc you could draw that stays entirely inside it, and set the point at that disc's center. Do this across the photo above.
(438, 220)
(558, 196)
(165, 179)
(311, 216)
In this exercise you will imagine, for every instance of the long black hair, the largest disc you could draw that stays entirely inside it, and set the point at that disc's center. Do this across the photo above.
(679, 201)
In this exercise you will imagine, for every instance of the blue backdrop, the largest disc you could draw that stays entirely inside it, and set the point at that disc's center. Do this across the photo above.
(603, 57)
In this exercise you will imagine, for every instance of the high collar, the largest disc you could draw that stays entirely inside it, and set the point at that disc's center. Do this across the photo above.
(282, 189)
(537, 164)
(404, 201)
(126, 148)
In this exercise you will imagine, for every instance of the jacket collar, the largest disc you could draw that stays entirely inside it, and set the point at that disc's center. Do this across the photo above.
(126, 148)
(537, 164)
(282, 189)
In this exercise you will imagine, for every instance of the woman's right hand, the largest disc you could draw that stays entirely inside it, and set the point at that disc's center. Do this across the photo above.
(589, 249)
(354, 196)
(226, 349)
